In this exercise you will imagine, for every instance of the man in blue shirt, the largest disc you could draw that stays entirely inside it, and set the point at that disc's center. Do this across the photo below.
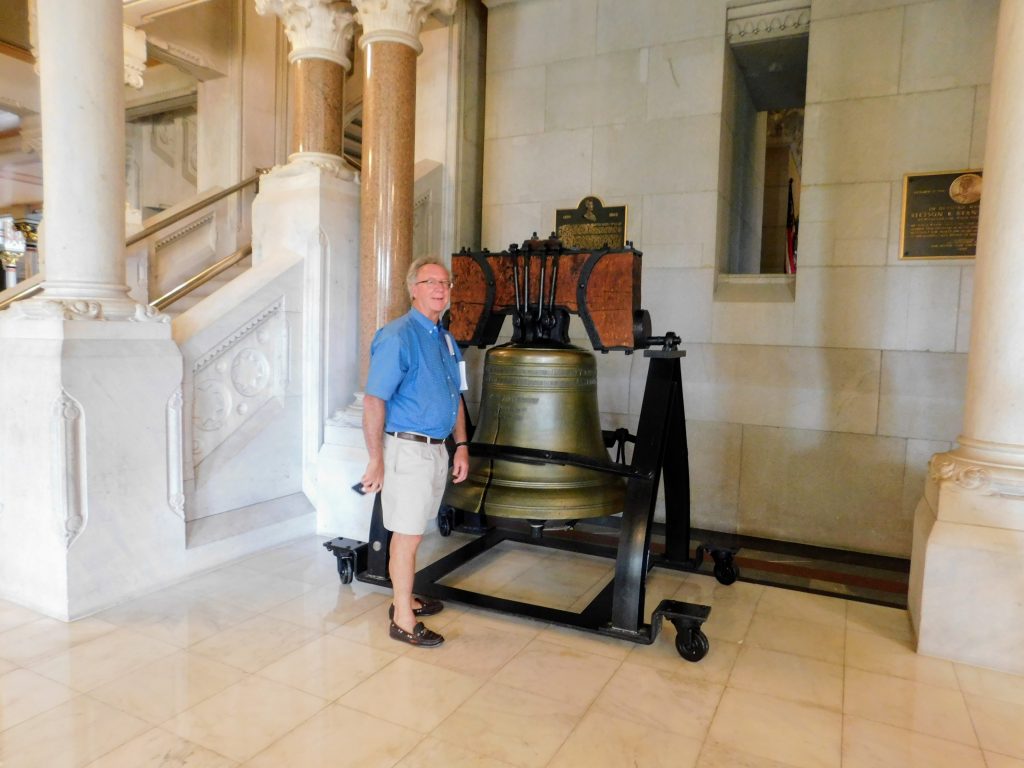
(412, 404)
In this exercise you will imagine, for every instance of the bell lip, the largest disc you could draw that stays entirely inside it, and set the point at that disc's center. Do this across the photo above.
(541, 344)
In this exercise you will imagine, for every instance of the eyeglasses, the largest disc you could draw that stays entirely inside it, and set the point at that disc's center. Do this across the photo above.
(432, 283)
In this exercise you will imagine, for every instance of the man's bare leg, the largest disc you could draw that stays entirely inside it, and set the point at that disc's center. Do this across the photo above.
(402, 568)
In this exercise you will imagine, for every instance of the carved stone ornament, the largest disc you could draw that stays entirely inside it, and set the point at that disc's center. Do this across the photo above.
(32, 134)
(41, 308)
(175, 455)
(768, 20)
(976, 476)
(397, 21)
(316, 29)
(69, 467)
(134, 55)
(300, 162)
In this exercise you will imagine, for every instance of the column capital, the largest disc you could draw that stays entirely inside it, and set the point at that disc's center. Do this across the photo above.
(134, 55)
(316, 29)
(397, 21)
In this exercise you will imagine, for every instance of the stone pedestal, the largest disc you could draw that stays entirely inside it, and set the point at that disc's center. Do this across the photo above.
(967, 568)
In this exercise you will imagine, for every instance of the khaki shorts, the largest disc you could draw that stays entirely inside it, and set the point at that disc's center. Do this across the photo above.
(415, 475)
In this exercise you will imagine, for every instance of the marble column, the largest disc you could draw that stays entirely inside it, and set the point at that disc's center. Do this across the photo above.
(967, 567)
(390, 44)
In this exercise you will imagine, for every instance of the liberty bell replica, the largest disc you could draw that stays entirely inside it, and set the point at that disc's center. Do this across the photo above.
(539, 392)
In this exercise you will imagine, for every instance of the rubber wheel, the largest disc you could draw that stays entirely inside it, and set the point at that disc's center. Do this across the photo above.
(692, 644)
(444, 523)
(726, 572)
(345, 570)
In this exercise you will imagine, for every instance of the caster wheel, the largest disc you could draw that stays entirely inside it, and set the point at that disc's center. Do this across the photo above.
(444, 522)
(692, 644)
(726, 573)
(345, 570)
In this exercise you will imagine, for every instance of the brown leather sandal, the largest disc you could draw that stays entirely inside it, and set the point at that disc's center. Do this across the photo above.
(420, 636)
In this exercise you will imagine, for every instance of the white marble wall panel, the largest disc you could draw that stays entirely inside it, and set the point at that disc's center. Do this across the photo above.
(549, 166)
(981, 99)
(844, 224)
(922, 395)
(714, 450)
(679, 230)
(963, 318)
(880, 139)
(753, 322)
(539, 32)
(613, 380)
(596, 91)
(515, 102)
(854, 57)
(640, 23)
(680, 300)
(919, 453)
(829, 9)
(686, 78)
(506, 224)
(662, 156)
(922, 306)
(788, 489)
(963, 30)
(823, 389)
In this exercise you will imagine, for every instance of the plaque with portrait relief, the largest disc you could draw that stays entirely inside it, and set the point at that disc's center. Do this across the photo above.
(940, 215)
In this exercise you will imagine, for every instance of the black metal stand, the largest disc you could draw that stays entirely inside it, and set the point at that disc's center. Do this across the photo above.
(618, 611)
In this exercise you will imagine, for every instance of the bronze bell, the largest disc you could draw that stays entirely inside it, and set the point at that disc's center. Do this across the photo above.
(543, 396)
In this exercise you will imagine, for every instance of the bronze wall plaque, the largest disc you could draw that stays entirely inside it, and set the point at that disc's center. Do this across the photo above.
(940, 215)
(591, 226)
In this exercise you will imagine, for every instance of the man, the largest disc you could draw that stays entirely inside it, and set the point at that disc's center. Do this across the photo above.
(412, 404)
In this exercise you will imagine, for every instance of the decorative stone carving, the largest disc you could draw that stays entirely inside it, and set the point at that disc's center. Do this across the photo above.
(764, 21)
(398, 21)
(977, 476)
(213, 403)
(175, 468)
(300, 162)
(68, 467)
(316, 29)
(250, 372)
(134, 55)
(31, 132)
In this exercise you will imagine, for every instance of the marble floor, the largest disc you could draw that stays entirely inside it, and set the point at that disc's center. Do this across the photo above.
(271, 662)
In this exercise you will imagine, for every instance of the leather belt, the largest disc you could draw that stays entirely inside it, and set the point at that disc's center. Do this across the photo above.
(416, 438)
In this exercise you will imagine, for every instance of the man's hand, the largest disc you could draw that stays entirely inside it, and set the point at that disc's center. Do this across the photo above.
(373, 477)
(460, 464)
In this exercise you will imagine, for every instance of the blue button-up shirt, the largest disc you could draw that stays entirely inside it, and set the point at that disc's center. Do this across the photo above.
(414, 369)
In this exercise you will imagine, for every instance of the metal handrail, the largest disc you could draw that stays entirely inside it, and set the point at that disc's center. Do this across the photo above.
(198, 206)
(24, 289)
(201, 278)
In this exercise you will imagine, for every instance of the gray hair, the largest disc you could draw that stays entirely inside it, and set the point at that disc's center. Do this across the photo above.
(416, 266)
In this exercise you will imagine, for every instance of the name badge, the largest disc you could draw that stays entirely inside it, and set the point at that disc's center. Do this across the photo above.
(463, 385)
(448, 341)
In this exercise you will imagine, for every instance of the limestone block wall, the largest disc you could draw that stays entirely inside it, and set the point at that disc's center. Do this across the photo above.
(810, 419)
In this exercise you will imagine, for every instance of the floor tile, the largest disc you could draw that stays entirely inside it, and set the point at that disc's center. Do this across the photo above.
(995, 760)
(13, 615)
(412, 693)
(603, 741)
(657, 698)
(901, 703)
(319, 568)
(41, 639)
(867, 744)
(68, 736)
(491, 571)
(250, 590)
(326, 608)
(328, 666)
(24, 694)
(434, 753)
(785, 731)
(990, 683)
(475, 647)
(339, 737)
(558, 672)
(88, 665)
(705, 589)
(801, 638)
(588, 642)
(7, 666)
(999, 724)
(803, 606)
(179, 618)
(786, 676)
(662, 654)
(246, 718)
(558, 584)
(881, 620)
(730, 621)
(715, 755)
(255, 643)
(159, 691)
(897, 658)
(159, 749)
(514, 726)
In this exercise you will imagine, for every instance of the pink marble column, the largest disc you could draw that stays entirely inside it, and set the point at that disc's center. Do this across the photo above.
(317, 103)
(390, 43)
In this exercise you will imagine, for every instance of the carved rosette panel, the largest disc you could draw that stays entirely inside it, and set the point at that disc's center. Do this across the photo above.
(398, 21)
(237, 377)
(767, 26)
(69, 480)
(175, 455)
(976, 476)
(316, 29)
